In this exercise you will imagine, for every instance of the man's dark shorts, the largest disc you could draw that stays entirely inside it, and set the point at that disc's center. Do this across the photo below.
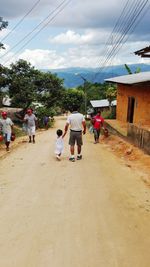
(75, 137)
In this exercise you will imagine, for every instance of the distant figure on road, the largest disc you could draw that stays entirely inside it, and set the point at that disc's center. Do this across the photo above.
(46, 121)
(76, 121)
(7, 129)
(59, 146)
(30, 119)
(98, 123)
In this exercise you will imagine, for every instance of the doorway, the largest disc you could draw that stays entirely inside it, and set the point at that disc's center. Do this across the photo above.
(131, 105)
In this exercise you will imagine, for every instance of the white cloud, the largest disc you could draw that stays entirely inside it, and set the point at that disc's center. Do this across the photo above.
(43, 58)
(90, 37)
(80, 55)
(3, 33)
(70, 37)
(77, 35)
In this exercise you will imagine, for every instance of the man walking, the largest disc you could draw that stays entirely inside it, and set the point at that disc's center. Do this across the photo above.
(7, 128)
(30, 119)
(98, 123)
(76, 121)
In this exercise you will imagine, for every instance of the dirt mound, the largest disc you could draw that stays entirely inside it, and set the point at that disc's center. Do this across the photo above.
(132, 155)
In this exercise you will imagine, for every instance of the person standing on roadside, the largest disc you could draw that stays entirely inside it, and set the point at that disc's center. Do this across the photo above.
(30, 119)
(76, 121)
(7, 128)
(98, 123)
(45, 122)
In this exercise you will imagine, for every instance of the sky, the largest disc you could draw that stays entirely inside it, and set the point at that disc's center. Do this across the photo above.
(54, 34)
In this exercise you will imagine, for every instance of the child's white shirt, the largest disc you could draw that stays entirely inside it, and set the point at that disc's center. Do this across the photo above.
(59, 146)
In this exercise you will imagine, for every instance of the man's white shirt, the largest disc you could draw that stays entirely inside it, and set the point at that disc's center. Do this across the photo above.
(75, 121)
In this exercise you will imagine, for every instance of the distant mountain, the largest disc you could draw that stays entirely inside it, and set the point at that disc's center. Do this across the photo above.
(72, 76)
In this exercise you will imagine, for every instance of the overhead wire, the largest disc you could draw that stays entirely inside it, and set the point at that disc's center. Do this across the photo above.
(40, 24)
(39, 31)
(118, 41)
(20, 21)
(108, 56)
(115, 29)
(119, 30)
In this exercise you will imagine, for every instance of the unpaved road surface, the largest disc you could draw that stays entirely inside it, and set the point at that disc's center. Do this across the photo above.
(90, 213)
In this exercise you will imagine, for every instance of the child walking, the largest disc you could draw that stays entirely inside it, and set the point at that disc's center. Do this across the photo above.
(59, 146)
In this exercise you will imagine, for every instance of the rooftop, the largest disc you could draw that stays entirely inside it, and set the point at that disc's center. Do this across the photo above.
(131, 78)
(102, 103)
(144, 52)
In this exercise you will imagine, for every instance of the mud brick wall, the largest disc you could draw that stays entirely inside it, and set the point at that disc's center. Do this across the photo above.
(141, 93)
(140, 137)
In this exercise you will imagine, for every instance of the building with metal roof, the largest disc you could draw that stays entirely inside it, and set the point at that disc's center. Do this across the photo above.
(136, 78)
(133, 106)
(144, 52)
(102, 103)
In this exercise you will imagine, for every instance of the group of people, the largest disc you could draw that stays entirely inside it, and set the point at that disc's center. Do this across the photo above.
(77, 124)
(75, 121)
(7, 129)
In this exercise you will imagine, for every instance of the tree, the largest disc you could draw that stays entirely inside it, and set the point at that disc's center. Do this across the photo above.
(50, 89)
(129, 70)
(111, 94)
(3, 83)
(27, 85)
(21, 84)
(94, 91)
(3, 25)
(73, 98)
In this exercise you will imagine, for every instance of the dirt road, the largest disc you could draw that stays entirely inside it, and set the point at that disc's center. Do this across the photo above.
(89, 213)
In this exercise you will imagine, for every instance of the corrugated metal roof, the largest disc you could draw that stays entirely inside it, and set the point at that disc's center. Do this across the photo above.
(102, 103)
(131, 78)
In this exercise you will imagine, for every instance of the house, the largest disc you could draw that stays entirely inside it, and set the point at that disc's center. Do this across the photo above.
(144, 52)
(133, 106)
(133, 97)
(102, 104)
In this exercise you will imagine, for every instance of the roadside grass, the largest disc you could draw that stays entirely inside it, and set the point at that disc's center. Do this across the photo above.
(18, 131)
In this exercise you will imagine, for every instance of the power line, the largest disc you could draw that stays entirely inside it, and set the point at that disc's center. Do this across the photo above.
(34, 29)
(116, 29)
(127, 28)
(21, 20)
(61, 9)
(125, 18)
(118, 41)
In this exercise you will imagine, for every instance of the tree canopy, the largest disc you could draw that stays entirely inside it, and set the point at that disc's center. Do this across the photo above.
(3, 25)
(73, 99)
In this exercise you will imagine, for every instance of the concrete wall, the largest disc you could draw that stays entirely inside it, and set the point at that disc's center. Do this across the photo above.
(141, 93)
(140, 137)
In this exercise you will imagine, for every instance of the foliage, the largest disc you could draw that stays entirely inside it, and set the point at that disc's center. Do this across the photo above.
(93, 91)
(73, 99)
(27, 85)
(129, 70)
(21, 83)
(3, 25)
(111, 93)
(50, 89)
(109, 114)
(18, 131)
(43, 111)
(3, 82)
